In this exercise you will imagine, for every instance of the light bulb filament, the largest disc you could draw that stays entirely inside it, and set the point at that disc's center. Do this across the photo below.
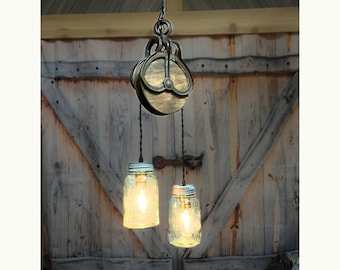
(141, 200)
(186, 220)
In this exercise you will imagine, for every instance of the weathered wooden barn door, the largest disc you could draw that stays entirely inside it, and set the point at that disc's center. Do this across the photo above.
(242, 114)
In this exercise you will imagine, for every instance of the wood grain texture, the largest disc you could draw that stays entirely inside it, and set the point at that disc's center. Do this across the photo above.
(281, 184)
(78, 217)
(248, 169)
(108, 179)
(127, 49)
(290, 144)
(114, 70)
(257, 97)
(229, 263)
(54, 207)
(185, 23)
(97, 263)
(174, 5)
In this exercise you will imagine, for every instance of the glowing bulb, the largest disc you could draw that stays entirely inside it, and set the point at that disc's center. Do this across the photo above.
(141, 185)
(141, 200)
(140, 197)
(186, 220)
(184, 217)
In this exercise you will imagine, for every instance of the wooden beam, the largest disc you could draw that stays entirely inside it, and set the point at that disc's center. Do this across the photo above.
(197, 66)
(239, 262)
(108, 179)
(95, 263)
(174, 5)
(248, 168)
(230, 263)
(185, 23)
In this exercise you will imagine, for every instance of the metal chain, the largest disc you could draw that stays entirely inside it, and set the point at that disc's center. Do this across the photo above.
(183, 171)
(163, 9)
(141, 134)
(161, 22)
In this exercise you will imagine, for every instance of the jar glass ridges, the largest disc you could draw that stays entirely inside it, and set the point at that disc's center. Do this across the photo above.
(184, 217)
(141, 197)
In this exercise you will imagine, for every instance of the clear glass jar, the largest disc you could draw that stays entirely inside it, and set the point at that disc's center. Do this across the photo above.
(184, 217)
(141, 197)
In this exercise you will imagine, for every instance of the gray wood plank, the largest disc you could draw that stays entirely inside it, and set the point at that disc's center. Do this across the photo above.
(80, 209)
(96, 113)
(229, 263)
(281, 189)
(163, 137)
(292, 186)
(248, 168)
(55, 206)
(97, 263)
(108, 179)
(120, 130)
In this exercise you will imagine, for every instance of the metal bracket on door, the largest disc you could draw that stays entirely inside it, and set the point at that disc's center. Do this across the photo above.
(189, 161)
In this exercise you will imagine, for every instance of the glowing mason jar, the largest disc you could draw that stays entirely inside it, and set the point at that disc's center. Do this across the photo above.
(184, 217)
(141, 198)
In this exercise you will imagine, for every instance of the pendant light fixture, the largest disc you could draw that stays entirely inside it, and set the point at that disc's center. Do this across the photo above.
(141, 196)
(163, 83)
(184, 212)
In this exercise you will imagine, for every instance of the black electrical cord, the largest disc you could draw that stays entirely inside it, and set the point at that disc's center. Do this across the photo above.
(141, 134)
(183, 169)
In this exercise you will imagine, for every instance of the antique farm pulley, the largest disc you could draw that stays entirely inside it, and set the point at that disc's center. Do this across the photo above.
(161, 79)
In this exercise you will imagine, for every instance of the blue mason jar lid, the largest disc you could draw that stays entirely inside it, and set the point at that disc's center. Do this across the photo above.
(188, 190)
(140, 167)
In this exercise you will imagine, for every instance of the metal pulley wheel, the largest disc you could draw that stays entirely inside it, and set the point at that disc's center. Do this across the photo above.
(161, 79)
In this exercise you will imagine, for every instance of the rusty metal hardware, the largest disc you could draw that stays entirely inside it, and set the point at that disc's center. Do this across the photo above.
(161, 79)
(189, 161)
(135, 74)
(165, 70)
